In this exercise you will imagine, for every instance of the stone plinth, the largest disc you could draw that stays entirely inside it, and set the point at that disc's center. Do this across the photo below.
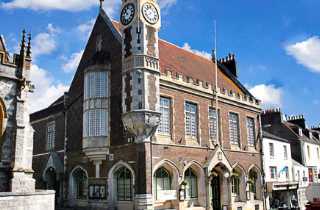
(39, 200)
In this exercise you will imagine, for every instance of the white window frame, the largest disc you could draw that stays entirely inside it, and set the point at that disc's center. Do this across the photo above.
(51, 135)
(96, 119)
(251, 132)
(271, 150)
(166, 113)
(234, 129)
(285, 152)
(213, 123)
(191, 120)
(275, 172)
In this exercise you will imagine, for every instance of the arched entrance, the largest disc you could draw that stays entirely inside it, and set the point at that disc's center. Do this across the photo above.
(218, 171)
(51, 179)
(219, 186)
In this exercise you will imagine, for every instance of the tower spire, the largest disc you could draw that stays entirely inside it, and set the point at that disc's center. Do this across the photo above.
(28, 53)
(23, 43)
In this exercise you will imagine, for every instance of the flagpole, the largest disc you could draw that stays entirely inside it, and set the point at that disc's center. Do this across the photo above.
(216, 82)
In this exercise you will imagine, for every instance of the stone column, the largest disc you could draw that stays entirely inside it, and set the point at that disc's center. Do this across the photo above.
(22, 172)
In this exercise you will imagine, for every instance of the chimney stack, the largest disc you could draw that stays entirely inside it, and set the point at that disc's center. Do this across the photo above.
(271, 116)
(298, 120)
(230, 63)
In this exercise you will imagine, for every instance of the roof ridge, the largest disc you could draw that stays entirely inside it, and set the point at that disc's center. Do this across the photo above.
(189, 51)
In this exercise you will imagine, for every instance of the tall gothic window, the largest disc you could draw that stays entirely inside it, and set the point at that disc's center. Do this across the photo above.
(124, 184)
(191, 121)
(253, 177)
(234, 129)
(162, 181)
(51, 135)
(213, 124)
(80, 181)
(192, 183)
(95, 117)
(251, 131)
(165, 122)
(235, 181)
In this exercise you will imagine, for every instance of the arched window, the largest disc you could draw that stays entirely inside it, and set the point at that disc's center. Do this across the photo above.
(124, 184)
(235, 181)
(80, 183)
(162, 181)
(253, 176)
(192, 184)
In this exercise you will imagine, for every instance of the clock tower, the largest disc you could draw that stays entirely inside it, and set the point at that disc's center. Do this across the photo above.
(140, 24)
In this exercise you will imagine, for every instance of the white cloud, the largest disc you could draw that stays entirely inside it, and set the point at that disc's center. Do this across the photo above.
(166, 3)
(86, 28)
(270, 95)
(68, 5)
(110, 6)
(204, 54)
(72, 63)
(46, 92)
(45, 43)
(306, 53)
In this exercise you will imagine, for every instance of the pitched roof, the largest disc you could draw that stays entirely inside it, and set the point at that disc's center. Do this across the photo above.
(266, 134)
(189, 64)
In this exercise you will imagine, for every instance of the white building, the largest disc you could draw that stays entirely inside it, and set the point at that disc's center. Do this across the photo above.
(279, 177)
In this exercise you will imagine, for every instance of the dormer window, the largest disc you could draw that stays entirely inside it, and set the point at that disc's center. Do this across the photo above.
(300, 132)
(95, 116)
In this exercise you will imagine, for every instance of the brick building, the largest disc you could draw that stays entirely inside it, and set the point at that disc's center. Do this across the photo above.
(139, 126)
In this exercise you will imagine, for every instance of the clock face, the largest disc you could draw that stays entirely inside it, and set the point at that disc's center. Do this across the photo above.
(127, 14)
(150, 13)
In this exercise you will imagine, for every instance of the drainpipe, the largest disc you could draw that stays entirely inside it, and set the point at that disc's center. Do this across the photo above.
(262, 164)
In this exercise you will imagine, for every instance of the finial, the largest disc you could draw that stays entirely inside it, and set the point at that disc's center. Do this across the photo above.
(29, 46)
(23, 42)
(101, 3)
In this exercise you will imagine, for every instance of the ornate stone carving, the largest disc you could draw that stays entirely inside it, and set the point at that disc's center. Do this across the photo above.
(141, 123)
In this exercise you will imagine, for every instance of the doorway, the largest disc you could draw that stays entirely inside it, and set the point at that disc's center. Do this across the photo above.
(216, 197)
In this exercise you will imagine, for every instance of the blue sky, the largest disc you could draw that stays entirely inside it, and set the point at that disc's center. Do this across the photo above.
(277, 43)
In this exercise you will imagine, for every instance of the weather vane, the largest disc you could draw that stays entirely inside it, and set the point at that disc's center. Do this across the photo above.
(101, 3)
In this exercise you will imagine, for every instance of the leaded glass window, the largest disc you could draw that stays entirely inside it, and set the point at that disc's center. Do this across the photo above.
(162, 181)
(191, 121)
(95, 122)
(124, 184)
(96, 85)
(165, 122)
(192, 184)
(51, 135)
(234, 129)
(235, 181)
(251, 131)
(213, 124)
(95, 116)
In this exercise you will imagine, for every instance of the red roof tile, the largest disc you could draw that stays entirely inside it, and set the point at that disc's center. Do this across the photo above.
(189, 64)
